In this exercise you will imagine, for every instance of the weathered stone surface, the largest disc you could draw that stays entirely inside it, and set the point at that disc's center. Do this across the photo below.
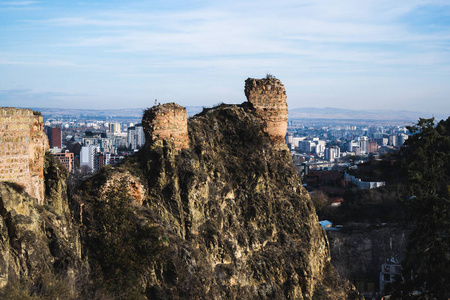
(22, 149)
(215, 212)
(35, 243)
(235, 219)
(268, 97)
(166, 122)
(123, 180)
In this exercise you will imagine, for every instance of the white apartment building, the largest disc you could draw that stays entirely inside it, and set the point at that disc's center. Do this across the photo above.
(114, 128)
(333, 153)
(87, 156)
(135, 137)
(364, 144)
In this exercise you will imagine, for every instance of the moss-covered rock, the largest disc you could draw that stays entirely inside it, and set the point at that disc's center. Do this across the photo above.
(229, 218)
(39, 244)
(225, 218)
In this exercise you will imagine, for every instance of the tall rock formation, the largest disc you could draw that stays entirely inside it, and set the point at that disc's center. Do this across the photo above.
(40, 251)
(225, 213)
(269, 99)
(210, 208)
(22, 149)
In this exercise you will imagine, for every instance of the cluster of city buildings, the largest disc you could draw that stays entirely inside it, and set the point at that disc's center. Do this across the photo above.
(107, 144)
(334, 149)
(313, 147)
(342, 147)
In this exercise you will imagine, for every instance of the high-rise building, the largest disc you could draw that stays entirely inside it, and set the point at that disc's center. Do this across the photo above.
(66, 159)
(87, 156)
(135, 137)
(114, 128)
(101, 160)
(350, 145)
(296, 140)
(306, 146)
(54, 137)
(357, 150)
(402, 138)
(373, 147)
(289, 138)
(364, 144)
(393, 140)
(378, 135)
(320, 147)
(331, 154)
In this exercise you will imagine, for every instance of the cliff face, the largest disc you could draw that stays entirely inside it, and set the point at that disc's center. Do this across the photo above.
(210, 208)
(38, 243)
(359, 255)
(227, 218)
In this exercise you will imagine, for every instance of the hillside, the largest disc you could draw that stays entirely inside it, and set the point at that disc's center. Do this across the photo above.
(210, 208)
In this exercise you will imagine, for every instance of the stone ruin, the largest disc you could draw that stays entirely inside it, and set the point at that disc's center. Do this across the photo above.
(166, 122)
(22, 149)
(23, 142)
(268, 97)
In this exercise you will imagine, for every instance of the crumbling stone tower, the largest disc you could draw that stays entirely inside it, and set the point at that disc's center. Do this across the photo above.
(22, 149)
(269, 99)
(166, 122)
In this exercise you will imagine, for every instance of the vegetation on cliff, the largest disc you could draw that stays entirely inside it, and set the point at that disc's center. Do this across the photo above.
(225, 218)
(426, 269)
(39, 250)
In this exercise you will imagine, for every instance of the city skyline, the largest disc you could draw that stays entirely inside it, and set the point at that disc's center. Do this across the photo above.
(116, 54)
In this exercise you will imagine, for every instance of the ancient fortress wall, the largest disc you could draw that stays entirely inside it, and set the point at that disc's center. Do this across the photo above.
(22, 149)
(269, 99)
(166, 122)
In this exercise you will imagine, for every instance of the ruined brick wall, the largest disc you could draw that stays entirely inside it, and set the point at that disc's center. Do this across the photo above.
(269, 99)
(166, 122)
(22, 149)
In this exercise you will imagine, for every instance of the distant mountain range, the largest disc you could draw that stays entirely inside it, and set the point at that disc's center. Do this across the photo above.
(332, 113)
(127, 113)
(296, 114)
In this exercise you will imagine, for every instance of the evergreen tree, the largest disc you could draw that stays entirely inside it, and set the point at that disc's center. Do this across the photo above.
(426, 268)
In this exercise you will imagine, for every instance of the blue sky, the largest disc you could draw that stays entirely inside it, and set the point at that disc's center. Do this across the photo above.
(117, 54)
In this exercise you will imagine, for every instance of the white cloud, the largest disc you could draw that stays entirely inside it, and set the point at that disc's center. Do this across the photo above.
(17, 3)
(321, 40)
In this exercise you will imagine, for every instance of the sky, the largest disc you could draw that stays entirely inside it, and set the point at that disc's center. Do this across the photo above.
(353, 54)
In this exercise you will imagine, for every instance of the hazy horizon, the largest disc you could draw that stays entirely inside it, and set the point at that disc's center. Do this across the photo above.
(304, 113)
(370, 55)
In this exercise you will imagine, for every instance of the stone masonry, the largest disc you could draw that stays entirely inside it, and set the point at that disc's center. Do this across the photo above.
(22, 149)
(269, 99)
(166, 122)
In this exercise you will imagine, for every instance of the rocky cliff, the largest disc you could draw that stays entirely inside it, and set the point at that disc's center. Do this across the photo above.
(224, 218)
(214, 212)
(39, 243)
(358, 255)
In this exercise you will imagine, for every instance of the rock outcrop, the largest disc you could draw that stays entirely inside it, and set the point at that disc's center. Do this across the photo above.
(210, 208)
(39, 244)
(358, 255)
(227, 218)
